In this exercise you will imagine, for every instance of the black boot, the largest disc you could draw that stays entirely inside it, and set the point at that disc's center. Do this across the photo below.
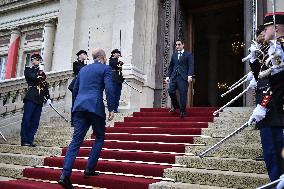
(174, 102)
(65, 182)
(88, 173)
(182, 114)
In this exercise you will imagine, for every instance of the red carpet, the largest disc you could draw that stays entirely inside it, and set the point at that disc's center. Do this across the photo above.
(138, 146)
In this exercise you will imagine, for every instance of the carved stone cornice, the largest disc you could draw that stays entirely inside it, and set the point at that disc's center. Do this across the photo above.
(9, 5)
(29, 20)
(32, 27)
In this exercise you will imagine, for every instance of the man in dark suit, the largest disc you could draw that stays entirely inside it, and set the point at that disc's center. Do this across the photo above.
(89, 109)
(36, 95)
(179, 75)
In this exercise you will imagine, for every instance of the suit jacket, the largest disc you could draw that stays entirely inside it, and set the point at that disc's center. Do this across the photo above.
(88, 90)
(37, 86)
(183, 67)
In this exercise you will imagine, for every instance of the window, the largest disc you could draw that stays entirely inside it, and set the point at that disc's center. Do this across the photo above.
(3, 62)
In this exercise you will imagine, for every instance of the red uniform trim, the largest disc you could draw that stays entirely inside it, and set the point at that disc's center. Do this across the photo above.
(265, 100)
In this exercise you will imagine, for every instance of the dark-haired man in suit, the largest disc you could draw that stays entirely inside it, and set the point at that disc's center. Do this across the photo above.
(179, 75)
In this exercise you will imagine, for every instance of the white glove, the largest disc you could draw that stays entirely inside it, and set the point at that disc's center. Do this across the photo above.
(252, 84)
(167, 79)
(250, 76)
(252, 51)
(120, 59)
(280, 185)
(41, 67)
(258, 114)
(48, 102)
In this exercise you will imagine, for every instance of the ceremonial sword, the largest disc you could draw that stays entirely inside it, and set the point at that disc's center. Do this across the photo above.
(51, 105)
(202, 154)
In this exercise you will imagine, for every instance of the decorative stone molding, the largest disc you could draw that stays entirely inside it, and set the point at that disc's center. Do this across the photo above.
(13, 90)
(32, 27)
(20, 22)
(9, 5)
(167, 6)
(6, 2)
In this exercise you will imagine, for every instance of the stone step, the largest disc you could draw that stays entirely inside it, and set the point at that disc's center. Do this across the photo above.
(66, 135)
(236, 112)
(12, 171)
(21, 159)
(236, 140)
(217, 178)
(222, 132)
(227, 151)
(180, 185)
(60, 142)
(5, 178)
(38, 150)
(224, 164)
(228, 122)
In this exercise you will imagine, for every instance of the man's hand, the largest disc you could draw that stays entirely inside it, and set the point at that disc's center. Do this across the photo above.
(252, 84)
(189, 79)
(120, 59)
(41, 67)
(257, 115)
(48, 102)
(110, 115)
(167, 79)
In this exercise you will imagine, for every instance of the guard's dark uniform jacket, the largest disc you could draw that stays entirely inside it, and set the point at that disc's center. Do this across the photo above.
(37, 86)
(77, 65)
(116, 71)
(275, 106)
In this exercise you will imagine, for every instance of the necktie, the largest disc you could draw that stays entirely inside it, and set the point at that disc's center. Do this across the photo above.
(179, 55)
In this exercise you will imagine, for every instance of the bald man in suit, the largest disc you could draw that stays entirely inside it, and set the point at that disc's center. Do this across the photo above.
(88, 110)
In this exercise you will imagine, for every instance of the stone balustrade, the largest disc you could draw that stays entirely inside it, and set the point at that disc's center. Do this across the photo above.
(4, 2)
(12, 91)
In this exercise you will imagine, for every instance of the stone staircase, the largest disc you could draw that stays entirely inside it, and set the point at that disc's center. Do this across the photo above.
(51, 137)
(230, 166)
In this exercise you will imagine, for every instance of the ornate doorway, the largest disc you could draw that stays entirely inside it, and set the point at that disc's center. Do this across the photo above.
(213, 32)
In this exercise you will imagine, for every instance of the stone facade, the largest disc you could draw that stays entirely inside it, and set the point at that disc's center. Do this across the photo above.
(59, 28)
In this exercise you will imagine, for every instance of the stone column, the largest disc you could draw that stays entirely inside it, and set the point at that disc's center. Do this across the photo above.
(213, 67)
(279, 6)
(12, 58)
(48, 43)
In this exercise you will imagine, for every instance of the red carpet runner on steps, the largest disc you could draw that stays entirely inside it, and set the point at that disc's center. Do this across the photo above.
(135, 153)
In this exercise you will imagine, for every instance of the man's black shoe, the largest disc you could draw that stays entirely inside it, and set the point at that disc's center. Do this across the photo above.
(28, 145)
(182, 114)
(65, 182)
(172, 110)
(88, 174)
